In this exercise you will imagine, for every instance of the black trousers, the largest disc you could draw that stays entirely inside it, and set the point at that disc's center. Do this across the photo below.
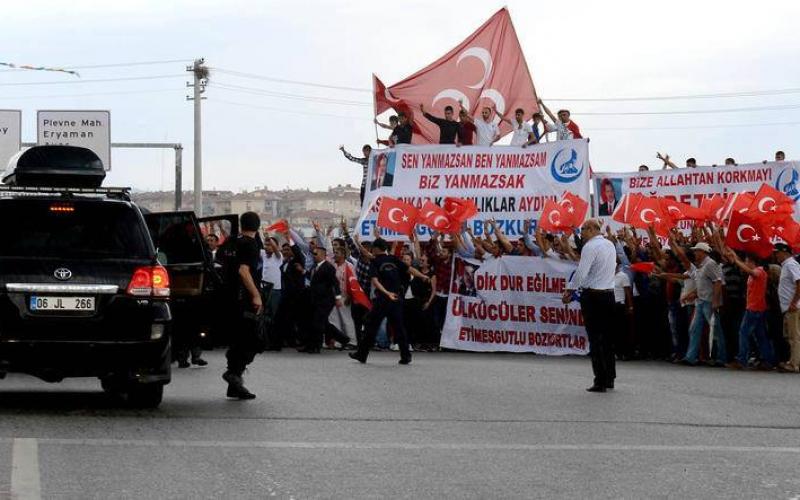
(287, 324)
(244, 340)
(597, 307)
(382, 308)
(359, 313)
(318, 326)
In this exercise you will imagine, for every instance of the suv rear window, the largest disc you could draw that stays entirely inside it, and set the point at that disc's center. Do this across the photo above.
(71, 229)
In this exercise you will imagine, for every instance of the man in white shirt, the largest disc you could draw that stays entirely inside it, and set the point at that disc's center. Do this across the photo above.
(595, 279)
(272, 259)
(487, 130)
(709, 283)
(523, 133)
(789, 297)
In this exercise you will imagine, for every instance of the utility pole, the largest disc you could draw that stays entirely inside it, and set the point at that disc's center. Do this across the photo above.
(200, 73)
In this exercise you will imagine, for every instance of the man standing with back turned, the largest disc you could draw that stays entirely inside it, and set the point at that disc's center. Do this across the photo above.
(595, 279)
(243, 341)
(389, 278)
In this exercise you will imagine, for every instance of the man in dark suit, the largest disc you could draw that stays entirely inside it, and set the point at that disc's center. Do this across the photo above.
(380, 174)
(609, 197)
(292, 285)
(323, 293)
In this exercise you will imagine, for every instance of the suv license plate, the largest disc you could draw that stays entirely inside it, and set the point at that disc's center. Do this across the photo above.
(44, 303)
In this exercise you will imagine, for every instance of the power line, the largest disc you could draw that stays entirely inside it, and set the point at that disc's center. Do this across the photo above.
(751, 93)
(291, 111)
(687, 112)
(90, 94)
(718, 95)
(689, 127)
(97, 80)
(281, 95)
(293, 82)
(111, 65)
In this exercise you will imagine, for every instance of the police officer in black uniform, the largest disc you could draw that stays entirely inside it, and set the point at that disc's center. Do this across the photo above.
(389, 278)
(244, 341)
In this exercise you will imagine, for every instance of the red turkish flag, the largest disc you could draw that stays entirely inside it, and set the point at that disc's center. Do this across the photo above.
(381, 96)
(357, 293)
(787, 230)
(486, 69)
(746, 234)
(280, 226)
(643, 267)
(460, 209)
(736, 202)
(434, 216)
(554, 217)
(678, 211)
(770, 205)
(397, 215)
(648, 213)
(624, 210)
(712, 207)
(576, 207)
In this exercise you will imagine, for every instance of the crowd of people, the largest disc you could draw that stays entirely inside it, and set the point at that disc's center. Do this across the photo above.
(690, 299)
(695, 301)
(467, 131)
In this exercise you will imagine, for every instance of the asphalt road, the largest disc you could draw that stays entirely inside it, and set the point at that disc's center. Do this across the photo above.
(451, 425)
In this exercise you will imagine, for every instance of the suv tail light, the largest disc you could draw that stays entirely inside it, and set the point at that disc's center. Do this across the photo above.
(150, 281)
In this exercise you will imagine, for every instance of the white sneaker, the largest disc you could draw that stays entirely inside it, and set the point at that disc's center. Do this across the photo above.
(410, 348)
(394, 347)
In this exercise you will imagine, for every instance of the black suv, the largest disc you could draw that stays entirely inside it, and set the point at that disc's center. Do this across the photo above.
(81, 291)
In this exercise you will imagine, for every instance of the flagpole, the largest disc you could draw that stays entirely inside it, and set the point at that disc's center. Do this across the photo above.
(375, 108)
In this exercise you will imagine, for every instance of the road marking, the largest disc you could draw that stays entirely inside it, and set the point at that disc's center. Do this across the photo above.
(411, 446)
(25, 470)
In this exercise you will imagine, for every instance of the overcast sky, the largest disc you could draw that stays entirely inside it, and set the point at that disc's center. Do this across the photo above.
(578, 49)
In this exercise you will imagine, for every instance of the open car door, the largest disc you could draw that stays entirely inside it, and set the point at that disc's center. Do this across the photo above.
(179, 242)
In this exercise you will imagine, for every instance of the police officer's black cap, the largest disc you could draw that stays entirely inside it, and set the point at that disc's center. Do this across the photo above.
(381, 244)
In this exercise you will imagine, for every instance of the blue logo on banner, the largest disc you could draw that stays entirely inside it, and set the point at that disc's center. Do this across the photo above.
(565, 171)
(787, 183)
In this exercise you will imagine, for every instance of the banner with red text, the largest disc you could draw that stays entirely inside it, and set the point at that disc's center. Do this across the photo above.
(691, 185)
(508, 183)
(513, 304)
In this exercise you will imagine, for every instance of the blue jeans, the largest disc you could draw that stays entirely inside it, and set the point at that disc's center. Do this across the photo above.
(705, 315)
(755, 323)
(383, 336)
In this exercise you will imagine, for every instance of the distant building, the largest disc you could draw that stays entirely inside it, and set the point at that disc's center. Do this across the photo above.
(301, 207)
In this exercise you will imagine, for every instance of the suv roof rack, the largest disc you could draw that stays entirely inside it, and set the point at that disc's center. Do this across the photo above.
(122, 193)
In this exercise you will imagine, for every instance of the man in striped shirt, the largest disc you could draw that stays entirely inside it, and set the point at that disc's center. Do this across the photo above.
(364, 162)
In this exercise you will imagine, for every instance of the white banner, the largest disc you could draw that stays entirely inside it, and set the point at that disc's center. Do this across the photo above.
(10, 135)
(691, 185)
(513, 304)
(508, 183)
(87, 129)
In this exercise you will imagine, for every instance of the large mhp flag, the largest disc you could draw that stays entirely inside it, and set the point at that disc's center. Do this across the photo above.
(486, 69)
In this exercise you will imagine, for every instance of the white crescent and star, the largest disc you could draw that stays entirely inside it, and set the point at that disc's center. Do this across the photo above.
(676, 210)
(440, 225)
(568, 204)
(645, 211)
(483, 56)
(762, 205)
(741, 229)
(391, 216)
(557, 221)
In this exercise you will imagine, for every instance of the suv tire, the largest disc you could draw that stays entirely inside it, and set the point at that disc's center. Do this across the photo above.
(145, 395)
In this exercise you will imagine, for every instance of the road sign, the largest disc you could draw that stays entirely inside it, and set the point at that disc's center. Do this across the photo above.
(10, 135)
(85, 128)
